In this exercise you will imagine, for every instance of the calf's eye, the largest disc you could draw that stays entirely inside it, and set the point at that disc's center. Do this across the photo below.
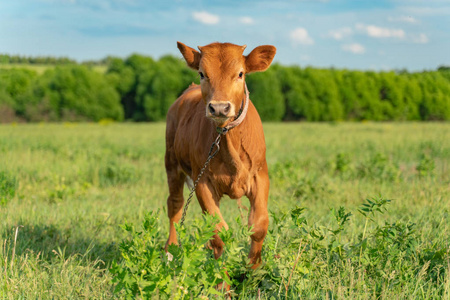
(201, 75)
(241, 74)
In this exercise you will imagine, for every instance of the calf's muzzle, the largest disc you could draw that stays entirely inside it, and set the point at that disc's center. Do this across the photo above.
(221, 109)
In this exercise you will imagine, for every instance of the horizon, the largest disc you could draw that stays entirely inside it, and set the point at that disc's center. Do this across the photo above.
(385, 35)
(98, 62)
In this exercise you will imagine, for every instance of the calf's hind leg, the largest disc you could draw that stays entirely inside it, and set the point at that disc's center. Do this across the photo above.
(258, 217)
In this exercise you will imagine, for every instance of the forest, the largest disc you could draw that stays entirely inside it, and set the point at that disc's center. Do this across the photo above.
(140, 88)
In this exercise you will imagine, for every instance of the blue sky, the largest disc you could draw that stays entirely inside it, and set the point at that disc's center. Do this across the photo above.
(359, 34)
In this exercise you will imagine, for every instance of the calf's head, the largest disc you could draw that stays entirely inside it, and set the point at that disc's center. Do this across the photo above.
(222, 68)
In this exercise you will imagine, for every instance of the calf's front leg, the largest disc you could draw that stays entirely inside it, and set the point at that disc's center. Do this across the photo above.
(210, 203)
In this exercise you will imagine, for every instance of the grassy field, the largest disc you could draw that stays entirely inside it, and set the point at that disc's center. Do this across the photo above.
(65, 189)
(40, 69)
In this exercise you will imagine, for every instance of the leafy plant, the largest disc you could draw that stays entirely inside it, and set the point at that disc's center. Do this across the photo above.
(368, 210)
(63, 189)
(426, 165)
(342, 162)
(371, 206)
(379, 167)
(342, 218)
(296, 252)
(181, 273)
(111, 172)
(60, 191)
(8, 186)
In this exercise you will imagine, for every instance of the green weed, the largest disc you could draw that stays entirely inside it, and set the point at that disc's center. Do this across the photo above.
(8, 186)
(112, 172)
(297, 253)
(425, 166)
(379, 167)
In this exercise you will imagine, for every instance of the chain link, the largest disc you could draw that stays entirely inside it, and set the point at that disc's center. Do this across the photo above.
(212, 152)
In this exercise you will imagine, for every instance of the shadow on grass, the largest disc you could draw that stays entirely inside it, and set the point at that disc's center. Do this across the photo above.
(47, 240)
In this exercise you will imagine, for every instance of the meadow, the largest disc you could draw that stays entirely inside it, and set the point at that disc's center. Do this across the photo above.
(41, 68)
(358, 211)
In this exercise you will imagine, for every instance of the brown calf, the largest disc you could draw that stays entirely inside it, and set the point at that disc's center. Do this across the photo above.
(240, 166)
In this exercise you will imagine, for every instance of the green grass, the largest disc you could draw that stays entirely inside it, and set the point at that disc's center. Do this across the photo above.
(65, 190)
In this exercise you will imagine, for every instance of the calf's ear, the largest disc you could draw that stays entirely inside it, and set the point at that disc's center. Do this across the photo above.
(260, 58)
(191, 56)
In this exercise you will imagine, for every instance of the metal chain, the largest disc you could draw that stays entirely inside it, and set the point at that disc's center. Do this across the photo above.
(211, 155)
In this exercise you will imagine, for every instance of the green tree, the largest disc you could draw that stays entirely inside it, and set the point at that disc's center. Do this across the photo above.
(266, 95)
(129, 77)
(390, 96)
(70, 93)
(435, 103)
(123, 78)
(368, 91)
(315, 96)
(289, 78)
(159, 89)
(346, 82)
(412, 96)
(13, 84)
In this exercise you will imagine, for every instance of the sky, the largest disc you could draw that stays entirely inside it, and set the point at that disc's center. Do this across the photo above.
(358, 34)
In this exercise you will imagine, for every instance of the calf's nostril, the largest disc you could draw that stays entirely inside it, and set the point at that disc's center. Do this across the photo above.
(211, 109)
(226, 108)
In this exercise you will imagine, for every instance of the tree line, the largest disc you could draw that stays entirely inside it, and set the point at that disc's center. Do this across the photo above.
(139, 88)
(38, 60)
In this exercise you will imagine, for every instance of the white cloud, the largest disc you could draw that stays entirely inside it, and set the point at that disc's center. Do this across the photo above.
(403, 19)
(205, 17)
(246, 20)
(380, 32)
(420, 38)
(300, 36)
(340, 33)
(354, 48)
